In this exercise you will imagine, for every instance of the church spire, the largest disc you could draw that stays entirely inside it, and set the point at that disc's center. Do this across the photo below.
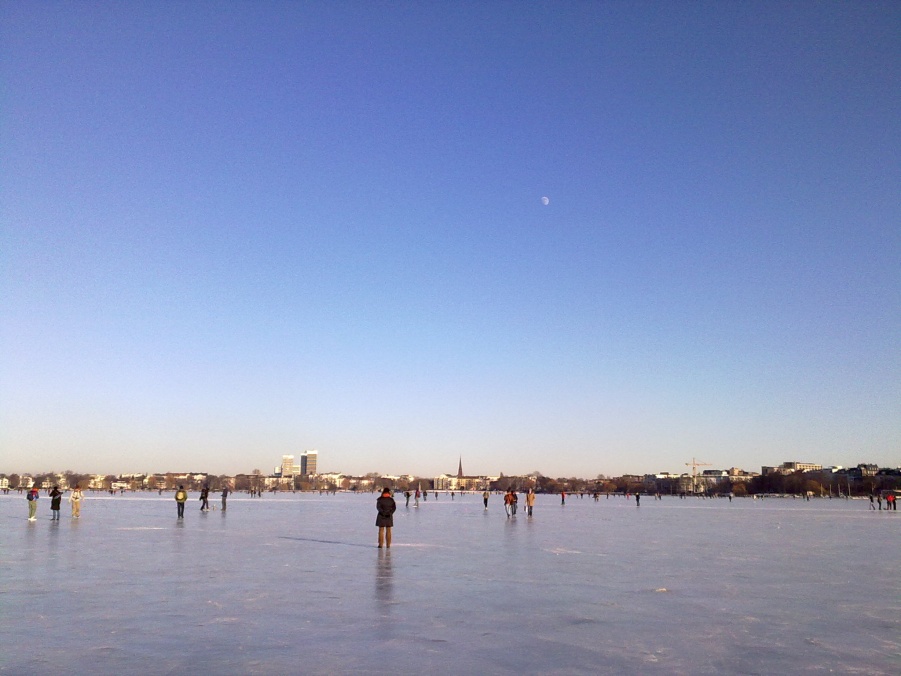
(460, 468)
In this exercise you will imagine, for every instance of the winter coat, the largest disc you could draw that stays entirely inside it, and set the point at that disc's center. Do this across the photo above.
(385, 506)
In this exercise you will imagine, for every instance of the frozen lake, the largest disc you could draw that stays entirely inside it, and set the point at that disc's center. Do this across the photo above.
(295, 584)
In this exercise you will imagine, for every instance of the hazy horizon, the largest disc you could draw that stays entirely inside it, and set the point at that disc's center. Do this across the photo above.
(582, 238)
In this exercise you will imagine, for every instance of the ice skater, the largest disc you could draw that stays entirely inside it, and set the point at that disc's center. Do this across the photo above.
(181, 497)
(224, 496)
(530, 502)
(75, 501)
(205, 499)
(485, 496)
(508, 502)
(637, 500)
(32, 496)
(56, 497)
(407, 495)
(385, 506)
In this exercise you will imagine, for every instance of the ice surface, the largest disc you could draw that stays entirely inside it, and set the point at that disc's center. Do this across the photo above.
(294, 584)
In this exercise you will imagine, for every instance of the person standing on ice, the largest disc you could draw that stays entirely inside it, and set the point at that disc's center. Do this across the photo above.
(485, 498)
(224, 496)
(75, 501)
(530, 502)
(385, 506)
(181, 497)
(205, 499)
(56, 497)
(32, 496)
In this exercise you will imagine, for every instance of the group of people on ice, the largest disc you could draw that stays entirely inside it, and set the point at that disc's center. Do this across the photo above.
(56, 499)
(511, 500)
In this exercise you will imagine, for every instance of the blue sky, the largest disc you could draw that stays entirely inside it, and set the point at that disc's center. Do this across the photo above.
(232, 231)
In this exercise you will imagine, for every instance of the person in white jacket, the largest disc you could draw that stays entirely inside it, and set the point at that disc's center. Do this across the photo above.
(75, 499)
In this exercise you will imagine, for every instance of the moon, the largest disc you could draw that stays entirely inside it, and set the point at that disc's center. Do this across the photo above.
(545, 201)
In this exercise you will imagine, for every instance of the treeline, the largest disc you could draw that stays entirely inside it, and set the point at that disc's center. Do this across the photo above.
(822, 483)
(796, 483)
(826, 483)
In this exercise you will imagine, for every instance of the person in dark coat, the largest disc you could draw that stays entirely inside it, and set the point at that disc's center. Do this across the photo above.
(385, 519)
(56, 497)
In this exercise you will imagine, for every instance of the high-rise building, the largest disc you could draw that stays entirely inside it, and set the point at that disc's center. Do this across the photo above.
(288, 466)
(308, 462)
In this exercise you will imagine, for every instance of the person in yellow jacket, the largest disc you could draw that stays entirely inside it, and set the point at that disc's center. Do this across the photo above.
(530, 501)
(181, 497)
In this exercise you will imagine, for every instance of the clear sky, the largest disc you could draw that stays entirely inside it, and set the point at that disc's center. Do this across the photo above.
(237, 230)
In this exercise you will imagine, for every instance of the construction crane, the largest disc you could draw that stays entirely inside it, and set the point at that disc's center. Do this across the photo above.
(694, 464)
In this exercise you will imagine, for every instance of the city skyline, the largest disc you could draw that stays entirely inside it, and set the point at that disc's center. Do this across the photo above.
(287, 467)
(574, 238)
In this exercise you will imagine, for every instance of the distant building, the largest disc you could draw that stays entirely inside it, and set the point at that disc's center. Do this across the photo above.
(801, 467)
(461, 482)
(868, 470)
(791, 467)
(736, 474)
(289, 469)
(450, 482)
(278, 483)
(308, 462)
(687, 484)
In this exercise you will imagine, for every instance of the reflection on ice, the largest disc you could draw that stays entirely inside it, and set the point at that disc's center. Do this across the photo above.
(295, 583)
